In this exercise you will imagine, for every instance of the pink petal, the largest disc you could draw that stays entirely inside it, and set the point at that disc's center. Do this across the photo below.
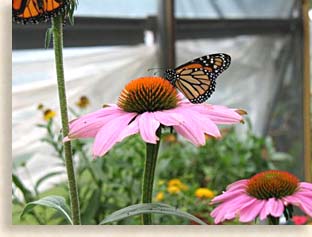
(191, 129)
(275, 207)
(223, 115)
(209, 127)
(66, 139)
(251, 210)
(194, 135)
(148, 126)
(218, 114)
(229, 209)
(203, 122)
(169, 117)
(109, 134)
(240, 184)
(228, 195)
(265, 211)
(88, 125)
(131, 129)
(306, 185)
(303, 202)
(304, 193)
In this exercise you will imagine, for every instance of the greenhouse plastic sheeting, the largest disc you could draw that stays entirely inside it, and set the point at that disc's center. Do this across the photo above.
(101, 72)
(189, 8)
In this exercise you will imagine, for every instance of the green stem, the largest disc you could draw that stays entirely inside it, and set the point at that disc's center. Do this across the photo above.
(273, 220)
(57, 26)
(148, 176)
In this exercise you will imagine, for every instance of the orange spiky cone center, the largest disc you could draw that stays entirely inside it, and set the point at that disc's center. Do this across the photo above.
(272, 183)
(148, 94)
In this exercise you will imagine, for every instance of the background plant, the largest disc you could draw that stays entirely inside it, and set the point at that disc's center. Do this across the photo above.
(112, 182)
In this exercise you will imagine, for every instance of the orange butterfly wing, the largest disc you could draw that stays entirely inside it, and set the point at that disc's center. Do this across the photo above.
(33, 11)
(197, 84)
(197, 79)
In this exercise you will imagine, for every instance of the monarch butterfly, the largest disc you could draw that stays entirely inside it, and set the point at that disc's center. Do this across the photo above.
(197, 79)
(35, 11)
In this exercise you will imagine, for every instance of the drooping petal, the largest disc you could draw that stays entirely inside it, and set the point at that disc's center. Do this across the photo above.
(237, 185)
(229, 209)
(306, 185)
(191, 129)
(148, 126)
(217, 113)
(209, 127)
(265, 211)
(110, 133)
(223, 115)
(303, 202)
(202, 121)
(88, 125)
(228, 195)
(251, 210)
(169, 117)
(131, 129)
(278, 208)
(275, 207)
(194, 135)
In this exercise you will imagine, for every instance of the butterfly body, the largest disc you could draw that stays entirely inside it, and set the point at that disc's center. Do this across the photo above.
(35, 11)
(197, 79)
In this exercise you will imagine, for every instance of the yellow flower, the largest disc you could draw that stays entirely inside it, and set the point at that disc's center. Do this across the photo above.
(204, 193)
(173, 189)
(48, 114)
(174, 182)
(177, 183)
(83, 102)
(160, 196)
(170, 138)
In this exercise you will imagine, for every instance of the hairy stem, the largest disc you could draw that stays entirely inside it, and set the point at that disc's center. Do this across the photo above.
(57, 25)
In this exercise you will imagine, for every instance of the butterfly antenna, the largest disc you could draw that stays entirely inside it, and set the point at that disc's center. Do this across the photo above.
(155, 68)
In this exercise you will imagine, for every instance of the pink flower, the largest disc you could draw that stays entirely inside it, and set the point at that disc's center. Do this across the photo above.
(300, 220)
(266, 194)
(144, 105)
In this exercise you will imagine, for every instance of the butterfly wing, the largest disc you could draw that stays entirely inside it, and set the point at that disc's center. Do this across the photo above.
(34, 11)
(197, 84)
(196, 79)
(214, 63)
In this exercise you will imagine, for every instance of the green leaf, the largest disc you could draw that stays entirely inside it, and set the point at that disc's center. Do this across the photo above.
(46, 177)
(72, 7)
(56, 202)
(144, 208)
(48, 37)
(28, 197)
(93, 203)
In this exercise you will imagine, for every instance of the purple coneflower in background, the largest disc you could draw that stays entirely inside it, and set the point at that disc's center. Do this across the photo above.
(268, 194)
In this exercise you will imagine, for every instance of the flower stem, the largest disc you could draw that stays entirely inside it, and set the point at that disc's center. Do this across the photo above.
(57, 25)
(148, 175)
(273, 220)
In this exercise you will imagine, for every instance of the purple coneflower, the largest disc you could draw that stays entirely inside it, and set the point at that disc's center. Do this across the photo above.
(143, 106)
(267, 194)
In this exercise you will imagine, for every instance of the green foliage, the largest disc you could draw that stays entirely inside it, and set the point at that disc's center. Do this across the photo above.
(159, 208)
(56, 202)
(113, 182)
(220, 162)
